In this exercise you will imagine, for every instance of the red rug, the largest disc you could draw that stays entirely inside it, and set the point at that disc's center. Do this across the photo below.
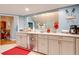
(16, 51)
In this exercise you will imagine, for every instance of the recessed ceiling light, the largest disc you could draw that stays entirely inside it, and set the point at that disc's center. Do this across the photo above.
(27, 9)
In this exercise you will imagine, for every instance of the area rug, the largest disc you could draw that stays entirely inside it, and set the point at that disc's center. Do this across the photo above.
(16, 51)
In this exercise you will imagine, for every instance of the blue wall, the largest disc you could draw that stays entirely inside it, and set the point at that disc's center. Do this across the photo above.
(19, 22)
(63, 22)
(23, 22)
(29, 19)
(15, 27)
(49, 24)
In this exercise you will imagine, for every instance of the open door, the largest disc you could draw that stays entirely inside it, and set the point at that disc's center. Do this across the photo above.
(5, 29)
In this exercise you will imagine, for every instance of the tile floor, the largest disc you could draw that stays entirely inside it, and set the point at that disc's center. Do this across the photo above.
(9, 46)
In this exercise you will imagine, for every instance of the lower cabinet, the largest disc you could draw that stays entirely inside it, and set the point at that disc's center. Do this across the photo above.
(34, 42)
(67, 46)
(22, 40)
(61, 45)
(42, 44)
(77, 46)
(53, 46)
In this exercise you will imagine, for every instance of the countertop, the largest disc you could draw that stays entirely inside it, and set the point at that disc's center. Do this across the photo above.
(45, 33)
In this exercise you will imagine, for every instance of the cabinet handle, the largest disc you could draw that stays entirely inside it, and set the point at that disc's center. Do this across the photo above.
(59, 42)
(33, 39)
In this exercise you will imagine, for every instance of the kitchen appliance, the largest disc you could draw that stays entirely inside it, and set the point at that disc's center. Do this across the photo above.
(73, 29)
(77, 29)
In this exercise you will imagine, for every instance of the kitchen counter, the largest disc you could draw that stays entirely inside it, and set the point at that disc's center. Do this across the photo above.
(49, 43)
(58, 34)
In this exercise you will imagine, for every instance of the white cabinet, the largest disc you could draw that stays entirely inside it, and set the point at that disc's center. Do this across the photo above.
(42, 44)
(53, 45)
(67, 46)
(49, 44)
(34, 42)
(22, 40)
(61, 45)
(77, 46)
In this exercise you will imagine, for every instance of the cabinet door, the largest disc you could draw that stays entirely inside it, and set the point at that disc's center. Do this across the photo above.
(67, 46)
(24, 40)
(77, 46)
(34, 42)
(53, 46)
(21, 40)
(42, 44)
(18, 39)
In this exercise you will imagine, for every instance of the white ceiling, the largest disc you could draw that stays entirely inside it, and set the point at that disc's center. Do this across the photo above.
(19, 9)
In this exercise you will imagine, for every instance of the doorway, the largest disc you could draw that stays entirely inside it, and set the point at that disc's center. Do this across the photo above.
(5, 29)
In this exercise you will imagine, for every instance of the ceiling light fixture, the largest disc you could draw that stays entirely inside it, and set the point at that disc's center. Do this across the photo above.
(27, 9)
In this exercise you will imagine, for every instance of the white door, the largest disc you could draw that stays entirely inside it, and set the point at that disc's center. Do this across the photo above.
(67, 46)
(42, 44)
